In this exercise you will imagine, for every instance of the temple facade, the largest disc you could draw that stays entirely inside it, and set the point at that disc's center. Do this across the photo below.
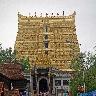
(50, 43)
(47, 41)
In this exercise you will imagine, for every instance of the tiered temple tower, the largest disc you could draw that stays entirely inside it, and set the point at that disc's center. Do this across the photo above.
(47, 41)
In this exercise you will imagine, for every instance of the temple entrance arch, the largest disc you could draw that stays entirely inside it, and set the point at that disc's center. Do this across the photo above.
(43, 85)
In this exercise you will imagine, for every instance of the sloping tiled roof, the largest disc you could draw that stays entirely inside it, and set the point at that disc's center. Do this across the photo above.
(12, 71)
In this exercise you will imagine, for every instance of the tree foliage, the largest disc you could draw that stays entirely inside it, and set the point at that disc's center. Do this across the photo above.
(7, 55)
(91, 76)
(25, 64)
(85, 72)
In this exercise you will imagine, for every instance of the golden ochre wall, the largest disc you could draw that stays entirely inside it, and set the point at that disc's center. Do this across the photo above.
(47, 41)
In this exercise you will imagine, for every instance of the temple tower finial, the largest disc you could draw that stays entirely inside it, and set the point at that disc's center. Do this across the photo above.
(41, 14)
(29, 13)
(57, 14)
(63, 13)
(18, 13)
(35, 14)
(46, 14)
(74, 13)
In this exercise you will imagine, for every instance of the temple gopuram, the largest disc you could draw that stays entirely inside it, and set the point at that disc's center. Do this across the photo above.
(50, 43)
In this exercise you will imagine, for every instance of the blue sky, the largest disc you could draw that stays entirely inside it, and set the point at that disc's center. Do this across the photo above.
(85, 18)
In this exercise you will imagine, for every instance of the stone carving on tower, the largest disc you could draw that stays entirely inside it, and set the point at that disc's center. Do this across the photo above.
(47, 40)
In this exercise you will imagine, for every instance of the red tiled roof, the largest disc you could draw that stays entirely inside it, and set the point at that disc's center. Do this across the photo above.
(12, 71)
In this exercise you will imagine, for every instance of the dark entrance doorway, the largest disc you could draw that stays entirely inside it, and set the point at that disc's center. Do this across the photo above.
(43, 85)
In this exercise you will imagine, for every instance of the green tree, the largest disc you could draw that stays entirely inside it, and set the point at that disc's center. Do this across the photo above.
(84, 66)
(91, 75)
(77, 65)
(7, 55)
(25, 64)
